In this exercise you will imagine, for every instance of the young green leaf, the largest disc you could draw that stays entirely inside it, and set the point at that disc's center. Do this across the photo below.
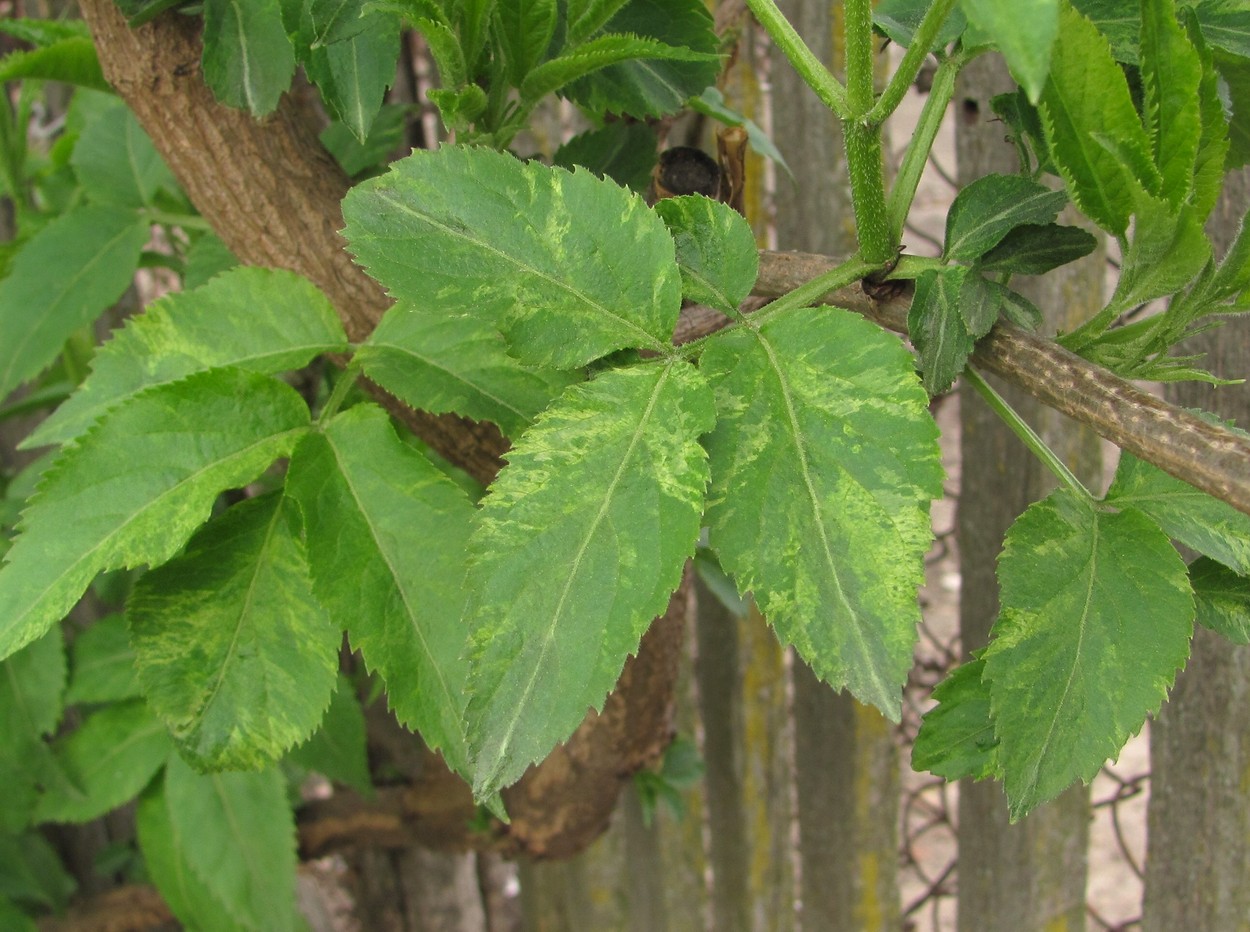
(1213, 141)
(386, 136)
(1035, 249)
(136, 486)
(646, 88)
(439, 361)
(237, 834)
(1085, 101)
(109, 759)
(824, 460)
(263, 320)
(164, 846)
(1198, 520)
(1096, 619)
(569, 266)
(715, 250)
(337, 749)
(1222, 598)
(989, 208)
(248, 58)
(235, 654)
(103, 664)
(1168, 251)
(524, 32)
(598, 53)
(624, 152)
(937, 327)
(32, 686)
(980, 301)
(1171, 73)
(98, 250)
(1023, 31)
(586, 17)
(115, 160)
(603, 495)
(956, 738)
(386, 535)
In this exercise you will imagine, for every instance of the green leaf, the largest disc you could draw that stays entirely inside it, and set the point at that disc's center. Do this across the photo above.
(1169, 250)
(164, 844)
(586, 17)
(439, 361)
(1235, 83)
(899, 19)
(115, 160)
(580, 544)
(324, 22)
(524, 29)
(248, 58)
(353, 73)
(31, 872)
(1096, 620)
(956, 738)
(715, 250)
(1213, 141)
(980, 301)
(1035, 249)
(103, 664)
(15, 919)
(937, 327)
(32, 684)
(1171, 73)
(109, 759)
(1119, 21)
(712, 103)
(1198, 520)
(824, 460)
(646, 88)
(207, 258)
(262, 320)
(1222, 598)
(41, 32)
(237, 834)
(72, 60)
(598, 53)
(95, 250)
(624, 152)
(337, 749)
(1086, 100)
(386, 535)
(137, 485)
(1024, 31)
(989, 208)
(386, 136)
(1226, 25)
(235, 654)
(570, 266)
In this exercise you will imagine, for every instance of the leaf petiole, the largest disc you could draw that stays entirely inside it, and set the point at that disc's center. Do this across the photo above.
(339, 393)
(1021, 429)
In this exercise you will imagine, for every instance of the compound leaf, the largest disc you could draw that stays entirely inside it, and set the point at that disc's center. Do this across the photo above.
(95, 250)
(715, 250)
(263, 320)
(601, 497)
(235, 654)
(1096, 619)
(441, 361)
(136, 486)
(387, 533)
(569, 266)
(824, 460)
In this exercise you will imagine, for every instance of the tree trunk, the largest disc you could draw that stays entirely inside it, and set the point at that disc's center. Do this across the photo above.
(1030, 875)
(1198, 851)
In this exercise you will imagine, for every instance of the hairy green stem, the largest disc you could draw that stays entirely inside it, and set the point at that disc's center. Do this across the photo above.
(866, 169)
(909, 66)
(1026, 433)
(857, 19)
(814, 73)
(917, 154)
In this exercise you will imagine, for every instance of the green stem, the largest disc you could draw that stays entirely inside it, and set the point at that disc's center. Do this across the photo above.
(186, 221)
(1026, 433)
(818, 77)
(809, 294)
(917, 154)
(339, 394)
(857, 20)
(903, 78)
(866, 168)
